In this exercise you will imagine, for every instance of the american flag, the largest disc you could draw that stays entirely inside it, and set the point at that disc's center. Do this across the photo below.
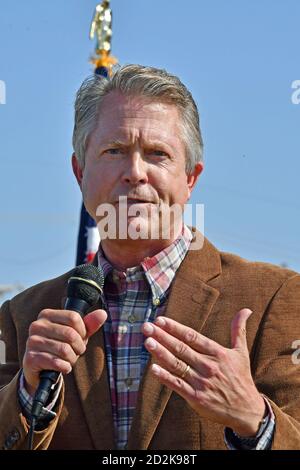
(88, 238)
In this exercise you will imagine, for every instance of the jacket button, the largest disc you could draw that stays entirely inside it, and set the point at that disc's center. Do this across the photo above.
(15, 435)
(11, 439)
(8, 443)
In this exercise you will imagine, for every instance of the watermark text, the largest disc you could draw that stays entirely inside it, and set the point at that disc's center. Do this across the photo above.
(2, 92)
(296, 94)
(138, 220)
(2, 352)
(296, 353)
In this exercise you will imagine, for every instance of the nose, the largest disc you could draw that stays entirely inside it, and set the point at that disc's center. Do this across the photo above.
(135, 171)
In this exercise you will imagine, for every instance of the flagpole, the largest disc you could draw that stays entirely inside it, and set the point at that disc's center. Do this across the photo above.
(101, 29)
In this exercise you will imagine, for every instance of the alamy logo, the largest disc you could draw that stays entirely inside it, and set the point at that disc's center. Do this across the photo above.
(2, 92)
(296, 354)
(136, 218)
(2, 352)
(296, 95)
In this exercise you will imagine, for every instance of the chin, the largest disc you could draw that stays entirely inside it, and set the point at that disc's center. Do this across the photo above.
(138, 228)
(141, 229)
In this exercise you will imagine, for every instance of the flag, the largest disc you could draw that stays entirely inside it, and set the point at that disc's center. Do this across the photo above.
(88, 238)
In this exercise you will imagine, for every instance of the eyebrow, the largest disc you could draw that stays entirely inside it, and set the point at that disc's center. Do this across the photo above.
(115, 142)
(148, 144)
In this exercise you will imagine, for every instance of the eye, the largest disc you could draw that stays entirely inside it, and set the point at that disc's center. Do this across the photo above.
(113, 151)
(157, 153)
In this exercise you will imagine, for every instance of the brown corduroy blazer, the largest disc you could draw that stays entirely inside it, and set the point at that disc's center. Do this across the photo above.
(209, 289)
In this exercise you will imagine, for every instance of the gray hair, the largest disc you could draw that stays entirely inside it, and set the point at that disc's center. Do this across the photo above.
(137, 80)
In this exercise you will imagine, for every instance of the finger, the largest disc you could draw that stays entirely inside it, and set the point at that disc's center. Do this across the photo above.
(93, 321)
(198, 361)
(167, 360)
(238, 329)
(37, 361)
(55, 348)
(178, 385)
(65, 317)
(55, 331)
(189, 336)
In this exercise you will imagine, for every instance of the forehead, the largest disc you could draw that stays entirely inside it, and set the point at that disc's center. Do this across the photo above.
(119, 114)
(136, 105)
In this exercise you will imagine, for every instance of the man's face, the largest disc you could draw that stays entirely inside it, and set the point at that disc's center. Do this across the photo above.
(136, 150)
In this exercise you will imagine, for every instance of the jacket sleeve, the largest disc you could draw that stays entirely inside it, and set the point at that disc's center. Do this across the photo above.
(276, 363)
(13, 425)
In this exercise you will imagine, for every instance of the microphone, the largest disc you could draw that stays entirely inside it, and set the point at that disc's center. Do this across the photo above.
(85, 287)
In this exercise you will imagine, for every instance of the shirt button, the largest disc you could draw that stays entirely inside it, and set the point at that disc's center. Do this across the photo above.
(156, 301)
(128, 382)
(132, 318)
(122, 329)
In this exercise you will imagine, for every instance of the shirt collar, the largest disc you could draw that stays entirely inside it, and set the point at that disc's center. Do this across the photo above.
(159, 270)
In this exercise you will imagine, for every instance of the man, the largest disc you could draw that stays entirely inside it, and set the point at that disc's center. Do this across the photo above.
(167, 363)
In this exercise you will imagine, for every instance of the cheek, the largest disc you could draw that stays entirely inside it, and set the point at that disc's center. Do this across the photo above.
(92, 186)
(87, 183)
(98, 184)
(173, 189)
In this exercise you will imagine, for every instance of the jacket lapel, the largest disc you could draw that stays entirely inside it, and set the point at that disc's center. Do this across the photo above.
(191, 300)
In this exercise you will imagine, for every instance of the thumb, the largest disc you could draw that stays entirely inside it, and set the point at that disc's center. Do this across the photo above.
(93, 321)
(238, 329)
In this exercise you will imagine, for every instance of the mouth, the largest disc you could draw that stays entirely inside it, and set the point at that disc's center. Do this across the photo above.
(137, 201)
(130, 200)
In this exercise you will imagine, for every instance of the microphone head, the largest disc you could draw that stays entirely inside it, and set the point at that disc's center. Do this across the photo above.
(86, 283)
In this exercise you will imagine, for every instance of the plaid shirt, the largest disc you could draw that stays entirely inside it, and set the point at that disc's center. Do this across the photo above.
(133, 297)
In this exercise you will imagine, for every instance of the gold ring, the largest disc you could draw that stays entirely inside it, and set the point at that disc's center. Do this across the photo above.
(187, 368)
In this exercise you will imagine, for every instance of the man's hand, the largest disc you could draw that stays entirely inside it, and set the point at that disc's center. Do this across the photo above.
(56, 339)
(215, 381)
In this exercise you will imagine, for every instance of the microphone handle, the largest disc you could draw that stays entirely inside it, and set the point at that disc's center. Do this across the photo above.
(50, 377)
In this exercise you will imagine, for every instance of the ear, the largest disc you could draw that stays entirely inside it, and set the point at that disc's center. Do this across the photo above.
(193, 177)
(77, 170)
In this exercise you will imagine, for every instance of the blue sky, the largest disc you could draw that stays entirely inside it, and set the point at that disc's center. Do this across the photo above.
(239, 58)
